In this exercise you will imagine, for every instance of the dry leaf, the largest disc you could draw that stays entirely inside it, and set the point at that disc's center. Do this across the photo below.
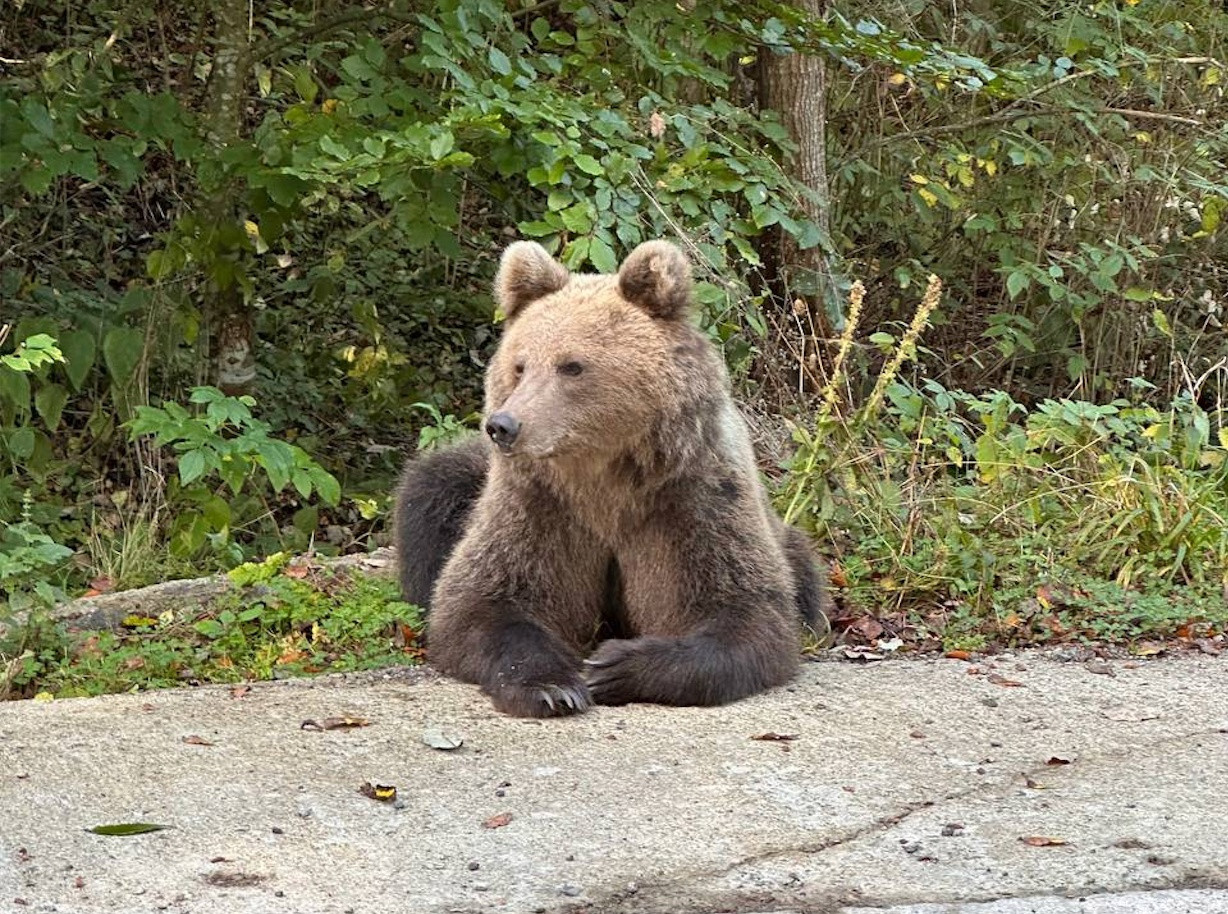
(1031, 782)
(776, 737)
(1043, 841)
(335, 723)
(1060, 759)
(999, 680)
(445, 742)
(959, 655)
(382, 792)
(656, 125)
(1100, 668)
(1131, 714)
(498, 821)
(194, 740)
(239, 691)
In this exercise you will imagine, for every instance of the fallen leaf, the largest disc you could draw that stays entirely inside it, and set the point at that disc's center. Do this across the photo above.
(1129, 713)
(445, 742)
(889, 644)
(297, 572)
(1147, 649)
(1043, 841)
(137, 621)
(1031, 782)
(776, 737)
(239, 691)
(1061, 759)
(196, 741)
(656, 125)
(1100, 668)
(1207, 646)
(959, 655)
(867, 628)
(101, 584)
(335, 723)
(127, 828)
(382, 792)
(999, 680)
(498, 821)
(836, 576)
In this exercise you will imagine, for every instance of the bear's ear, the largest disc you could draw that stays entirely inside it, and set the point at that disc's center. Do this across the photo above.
(656, 276)
(527, 272)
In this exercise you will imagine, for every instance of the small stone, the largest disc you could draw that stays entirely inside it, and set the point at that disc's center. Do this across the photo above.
(571, 891)
(481, 887)
(277, 830)
(500, 793)
(279, 894)
(474, 866)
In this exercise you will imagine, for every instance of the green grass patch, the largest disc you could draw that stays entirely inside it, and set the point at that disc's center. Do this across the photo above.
(283, 620)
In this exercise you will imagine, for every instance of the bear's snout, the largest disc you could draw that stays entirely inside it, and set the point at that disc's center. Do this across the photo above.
(503, 429)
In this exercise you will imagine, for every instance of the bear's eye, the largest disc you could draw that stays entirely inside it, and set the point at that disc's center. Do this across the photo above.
(571, 369)
(519, 369)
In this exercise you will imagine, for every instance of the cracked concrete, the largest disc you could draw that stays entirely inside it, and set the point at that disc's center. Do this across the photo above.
(908, 788)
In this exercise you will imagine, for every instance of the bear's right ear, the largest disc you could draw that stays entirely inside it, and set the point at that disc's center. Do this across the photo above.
(527, 272)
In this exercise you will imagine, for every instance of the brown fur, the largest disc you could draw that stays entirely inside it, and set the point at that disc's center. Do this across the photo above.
(628, 503)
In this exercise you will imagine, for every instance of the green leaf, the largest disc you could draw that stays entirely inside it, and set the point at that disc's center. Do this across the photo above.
(49, 401)
(1160, 320)
(1016, 282)
(122, 348)
(602, 256)
(499, 61)
(191, 467)
(588, 165)
(21, 442)
(79, 351)
(441, 144)
(127, 828)
(327, 485)
(1134, 293)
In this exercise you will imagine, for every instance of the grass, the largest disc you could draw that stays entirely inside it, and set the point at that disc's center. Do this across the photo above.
(284, 620)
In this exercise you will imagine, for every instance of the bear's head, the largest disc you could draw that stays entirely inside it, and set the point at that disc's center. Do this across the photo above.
(589, 365)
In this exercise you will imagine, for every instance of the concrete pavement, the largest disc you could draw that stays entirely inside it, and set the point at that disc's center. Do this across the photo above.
(915, 786)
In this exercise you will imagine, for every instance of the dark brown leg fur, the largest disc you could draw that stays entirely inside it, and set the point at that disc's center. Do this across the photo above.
(433, 503)
(814, 603)
(515, 618)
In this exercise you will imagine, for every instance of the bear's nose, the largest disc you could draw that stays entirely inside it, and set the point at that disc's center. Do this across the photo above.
(503, 429)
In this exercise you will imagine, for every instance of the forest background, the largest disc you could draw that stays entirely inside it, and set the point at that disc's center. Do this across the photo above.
(246, 253)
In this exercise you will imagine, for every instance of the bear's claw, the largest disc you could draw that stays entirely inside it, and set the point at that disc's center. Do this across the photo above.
(543, 700)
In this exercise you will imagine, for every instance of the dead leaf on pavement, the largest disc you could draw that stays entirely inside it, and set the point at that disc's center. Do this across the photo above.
(445, 742)
(1128, 713)
(1060, 759)
(239, 691)
(999, 680)
(498, 821)
(195, 740)
(1034, 784)
(1147, 649)
(959, 655)
(335, 723)
(384, 793)
(1100, 668)
(1042, 841)
(776, 737)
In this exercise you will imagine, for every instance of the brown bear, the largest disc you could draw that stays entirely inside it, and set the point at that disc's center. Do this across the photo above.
(613, 506)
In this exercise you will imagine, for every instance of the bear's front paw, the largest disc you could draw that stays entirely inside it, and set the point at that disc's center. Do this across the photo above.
(551, 699)
(615, 672)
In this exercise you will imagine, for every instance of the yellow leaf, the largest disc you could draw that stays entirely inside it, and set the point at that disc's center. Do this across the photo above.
(329, 106)
(252, 229)
(919, 179)
(1223, 437)
(1143, 137)
(897, 79)
(930, 198)
(990, 166)
(44, 696)
(1211, 76)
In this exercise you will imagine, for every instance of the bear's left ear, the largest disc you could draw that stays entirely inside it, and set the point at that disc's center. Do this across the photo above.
(527, 272)
(656, 276)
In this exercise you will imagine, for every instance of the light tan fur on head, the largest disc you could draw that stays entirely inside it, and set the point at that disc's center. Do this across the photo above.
(527, 272)
(590, 363)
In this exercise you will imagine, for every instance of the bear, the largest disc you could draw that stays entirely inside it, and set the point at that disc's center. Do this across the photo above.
(608, 539)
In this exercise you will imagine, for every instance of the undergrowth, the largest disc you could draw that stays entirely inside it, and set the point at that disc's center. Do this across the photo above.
(282, 620)
(975, 520)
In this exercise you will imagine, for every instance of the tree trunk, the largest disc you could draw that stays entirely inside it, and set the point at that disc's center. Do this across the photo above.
(226, 314)
(795, 86)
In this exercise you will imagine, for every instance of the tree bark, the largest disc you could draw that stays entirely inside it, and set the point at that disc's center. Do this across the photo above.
(227, 317)
(795, 86)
